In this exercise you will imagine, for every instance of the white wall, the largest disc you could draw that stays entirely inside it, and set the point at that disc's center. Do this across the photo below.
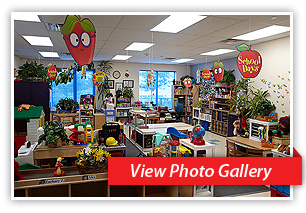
(133, 69)
(275, 71)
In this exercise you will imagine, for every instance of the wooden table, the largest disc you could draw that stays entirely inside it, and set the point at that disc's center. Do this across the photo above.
(150, 118)
(248, 143)
(45, 152)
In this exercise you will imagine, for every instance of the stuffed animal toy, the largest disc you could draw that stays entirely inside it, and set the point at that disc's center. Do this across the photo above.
(236, 125)
(284, 126)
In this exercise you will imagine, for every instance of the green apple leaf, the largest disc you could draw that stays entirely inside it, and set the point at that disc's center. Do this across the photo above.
(242, 47)
(68, 26)
(87, 25)
(215, 65)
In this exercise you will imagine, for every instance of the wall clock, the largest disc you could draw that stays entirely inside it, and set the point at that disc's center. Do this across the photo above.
(116, 74)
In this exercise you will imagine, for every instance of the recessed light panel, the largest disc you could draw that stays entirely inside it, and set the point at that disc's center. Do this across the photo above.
(26, 17)
(137, 46)
(176, 23)
(262, 33)
(38, 40)
(49, 54)
(182, 60)
(121, 57)
(218, 52)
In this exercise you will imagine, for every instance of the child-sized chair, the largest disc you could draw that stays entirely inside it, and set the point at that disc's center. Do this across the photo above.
(231, 150)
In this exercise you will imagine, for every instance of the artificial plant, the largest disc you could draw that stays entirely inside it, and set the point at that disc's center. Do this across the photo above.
(265, 107)
(103, 88)
(32, 70)
(67, 104)
(229, 77)
(127, 92)
(52, 133)
(64, 76)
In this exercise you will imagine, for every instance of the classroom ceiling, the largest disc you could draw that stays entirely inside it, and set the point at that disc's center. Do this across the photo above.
(115, 32)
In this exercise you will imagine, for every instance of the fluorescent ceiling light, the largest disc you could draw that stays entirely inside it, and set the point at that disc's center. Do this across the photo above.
(264, 32)
(136, 46)
(38, 40)
(26, 17)
(176, 23)
(49, 54)
(182, 60)
(218, 52)
(121, 57)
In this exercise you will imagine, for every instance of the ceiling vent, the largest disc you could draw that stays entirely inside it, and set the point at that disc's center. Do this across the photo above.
(231, 41)
(170, 59)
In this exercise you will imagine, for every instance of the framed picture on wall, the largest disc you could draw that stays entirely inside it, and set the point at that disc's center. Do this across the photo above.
(118, 86)
(111, 84)
(128, 83)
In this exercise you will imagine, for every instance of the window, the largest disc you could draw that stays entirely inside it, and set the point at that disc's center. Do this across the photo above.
(75, 88)
(161, 94)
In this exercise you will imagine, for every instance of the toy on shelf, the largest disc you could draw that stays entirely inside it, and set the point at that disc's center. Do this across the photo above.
(184, 152)
(197, 135)
(262, 133)
(137, 105)
(77, 135)
(175, 132)
(160, 144)
(174, 148)
(111, 141)
(25, 106)
(58, 166)
(273, 117)
(236, 126)
(89, 132)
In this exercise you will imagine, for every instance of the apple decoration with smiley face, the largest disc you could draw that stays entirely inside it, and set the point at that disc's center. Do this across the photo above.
(218, 71)
(187, 82)
(80, 37)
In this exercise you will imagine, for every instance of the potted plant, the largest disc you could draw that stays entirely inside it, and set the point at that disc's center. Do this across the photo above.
(229, 78)
(264, 108)
(127, 92)
(92, 160)
(103, 89)
(54, 134)
(32, 71)
(67, 104)
(64, 76)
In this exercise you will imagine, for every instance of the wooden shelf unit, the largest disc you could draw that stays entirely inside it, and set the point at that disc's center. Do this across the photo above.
(41, 183)
(189, 97)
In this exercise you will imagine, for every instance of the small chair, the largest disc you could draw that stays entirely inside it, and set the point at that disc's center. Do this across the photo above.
(232, 150)
(250, 152)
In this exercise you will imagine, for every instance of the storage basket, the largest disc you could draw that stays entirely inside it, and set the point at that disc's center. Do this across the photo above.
(281, 140)
(92, 169)
(266, 144)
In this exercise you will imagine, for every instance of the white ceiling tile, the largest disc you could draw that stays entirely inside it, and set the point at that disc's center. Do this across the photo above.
(30, 28)
(125, 35)
(140, 22)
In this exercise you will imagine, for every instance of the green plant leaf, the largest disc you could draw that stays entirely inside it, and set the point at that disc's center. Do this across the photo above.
(242, 47)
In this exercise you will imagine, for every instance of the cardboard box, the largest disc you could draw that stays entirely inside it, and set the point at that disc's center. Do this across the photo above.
(99, 120)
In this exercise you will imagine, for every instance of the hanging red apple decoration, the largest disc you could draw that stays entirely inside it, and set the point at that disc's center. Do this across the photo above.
(218, 71)
(205, 74)
(249, 61)
(52, 72)
(187, 82)
(80, 37)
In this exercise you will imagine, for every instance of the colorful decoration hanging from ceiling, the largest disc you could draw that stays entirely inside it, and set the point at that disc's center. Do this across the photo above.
(80, 36)
(187, 82)
(205, 74)
(52, 72)
(98, 78)
(151, 80)
(249, 61)
(198, 80)
(218, 70)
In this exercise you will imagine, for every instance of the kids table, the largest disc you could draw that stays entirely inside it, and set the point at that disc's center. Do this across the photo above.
(196, 148)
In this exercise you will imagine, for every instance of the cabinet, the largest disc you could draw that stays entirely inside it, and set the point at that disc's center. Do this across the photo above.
(86, 115)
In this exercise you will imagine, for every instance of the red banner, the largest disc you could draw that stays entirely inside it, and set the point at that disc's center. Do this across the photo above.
(205, 170)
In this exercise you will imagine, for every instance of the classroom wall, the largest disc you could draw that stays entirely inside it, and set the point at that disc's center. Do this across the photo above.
(133, 69)
(273, 76)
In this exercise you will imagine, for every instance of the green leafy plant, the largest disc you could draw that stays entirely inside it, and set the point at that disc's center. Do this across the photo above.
(127, 92)
(32, 70)
(246, 99)
(106, 67)
(67, 104)
(52, 132)
(64, 76)
(229, 77)
(265, 107)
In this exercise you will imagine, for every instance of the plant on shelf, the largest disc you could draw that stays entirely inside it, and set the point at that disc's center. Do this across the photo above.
(53, 134)
(67, 104)
(229, 78)
(92, 159)
(127, 92)
(265, 107)
(32, 71)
